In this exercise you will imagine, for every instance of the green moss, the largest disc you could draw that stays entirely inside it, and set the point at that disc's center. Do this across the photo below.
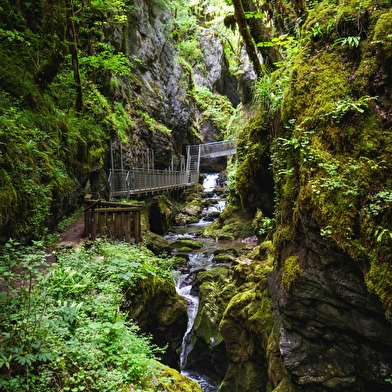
(378, 281)
(232, 224)
(170, 380)
(286, 386)
(253, 179)
(291, 271)
(185, 242)
(214, 293)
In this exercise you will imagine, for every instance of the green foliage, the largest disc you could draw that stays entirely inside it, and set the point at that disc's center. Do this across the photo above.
(268, 92)
(65, 331)
(352, 42)
(107, 61)
(216, 108)
(153, 125)
(286, 42)
(266, 226)
(190, 50)
(345, 105)
(317, 30)
(48, 149)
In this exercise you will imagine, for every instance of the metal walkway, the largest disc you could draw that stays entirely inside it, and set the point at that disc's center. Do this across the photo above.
(136, 182)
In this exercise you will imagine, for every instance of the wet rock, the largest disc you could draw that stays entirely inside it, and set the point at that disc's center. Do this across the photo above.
(246, 327)
(232, 224)
(225, 255)
(333, 333)
(193, 209)
(212, 215)
(181, 263)
(186, 242)
(214, 293)
(190, 279)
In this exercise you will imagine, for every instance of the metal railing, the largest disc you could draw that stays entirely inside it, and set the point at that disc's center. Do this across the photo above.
(142, 181)
(218, 149)
(124, 183)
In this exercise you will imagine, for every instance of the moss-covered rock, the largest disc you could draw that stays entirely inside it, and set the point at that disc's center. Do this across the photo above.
(232, 224)
(170, 380)
(160, 311)
(186, 242)
(162, 213)
(215, 291)
(156, 243)
(247, 324)
(253, 179)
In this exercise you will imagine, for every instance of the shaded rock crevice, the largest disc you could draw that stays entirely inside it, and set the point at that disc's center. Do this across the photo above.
(333, 333)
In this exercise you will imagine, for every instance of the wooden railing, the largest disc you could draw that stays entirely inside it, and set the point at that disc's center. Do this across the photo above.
(113, 220)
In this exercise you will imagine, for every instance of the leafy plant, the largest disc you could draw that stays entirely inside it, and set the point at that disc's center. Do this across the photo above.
(317, 30)
(266, 226)
(344, 105)
(352, 42)
(65, 331)
(268, 92)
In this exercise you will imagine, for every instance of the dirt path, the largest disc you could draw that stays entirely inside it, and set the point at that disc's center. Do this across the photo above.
(74, 234)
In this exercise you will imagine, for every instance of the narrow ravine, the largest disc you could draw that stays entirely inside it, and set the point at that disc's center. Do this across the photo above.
(201, 259)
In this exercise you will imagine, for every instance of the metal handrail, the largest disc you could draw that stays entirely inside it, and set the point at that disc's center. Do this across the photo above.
(215, 149)
(140, 180)
(136, 181)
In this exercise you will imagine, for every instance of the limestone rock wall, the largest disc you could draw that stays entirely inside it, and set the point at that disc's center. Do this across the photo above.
(333, 333)
(330, 285)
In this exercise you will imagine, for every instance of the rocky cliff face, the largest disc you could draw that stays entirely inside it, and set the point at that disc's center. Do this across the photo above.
(166, 116)
(333, 333)
(330, 285)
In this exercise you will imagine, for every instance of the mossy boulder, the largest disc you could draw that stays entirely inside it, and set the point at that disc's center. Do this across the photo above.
(188, 243)
(225, 255)
(193, 209)
(170, 380)
(232, 224)
(247, 323)
(192, 193)
(180, 219)
(160, 311)
(156, 243)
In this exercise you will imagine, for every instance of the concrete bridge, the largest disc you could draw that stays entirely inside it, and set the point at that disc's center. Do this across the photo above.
(137, 182)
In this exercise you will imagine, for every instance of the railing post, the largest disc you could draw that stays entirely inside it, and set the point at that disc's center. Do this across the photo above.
(136, 226)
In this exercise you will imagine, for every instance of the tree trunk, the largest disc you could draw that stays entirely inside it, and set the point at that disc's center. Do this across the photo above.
(248, 41)
(73, 47)
(260, 33)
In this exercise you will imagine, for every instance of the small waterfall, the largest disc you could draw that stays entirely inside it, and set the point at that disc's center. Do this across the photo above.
(193, 306)
(198, 260)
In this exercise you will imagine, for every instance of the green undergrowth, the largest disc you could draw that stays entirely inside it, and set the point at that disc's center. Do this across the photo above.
(62, 325)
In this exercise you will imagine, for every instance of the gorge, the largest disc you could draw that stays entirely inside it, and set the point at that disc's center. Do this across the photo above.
(305, 87)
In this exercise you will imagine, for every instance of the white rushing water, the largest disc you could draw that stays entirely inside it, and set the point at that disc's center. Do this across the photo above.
(198, 260)
(193, 306)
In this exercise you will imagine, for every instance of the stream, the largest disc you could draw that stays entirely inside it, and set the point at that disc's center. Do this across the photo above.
(201, 259)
